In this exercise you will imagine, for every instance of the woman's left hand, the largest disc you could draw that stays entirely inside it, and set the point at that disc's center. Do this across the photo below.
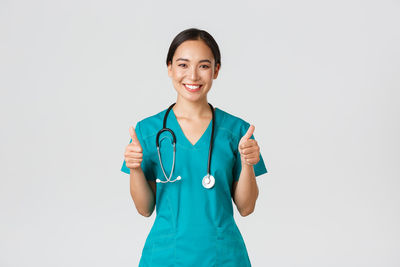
(248, 148)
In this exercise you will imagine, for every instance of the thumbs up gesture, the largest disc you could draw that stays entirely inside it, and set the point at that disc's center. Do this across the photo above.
(133, 152)
(248, 148)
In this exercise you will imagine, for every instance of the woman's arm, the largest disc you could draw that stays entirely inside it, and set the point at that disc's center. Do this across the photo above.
(245, 191)
(143, 192)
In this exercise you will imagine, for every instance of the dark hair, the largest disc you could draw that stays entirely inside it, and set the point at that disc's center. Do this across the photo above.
(194, 34)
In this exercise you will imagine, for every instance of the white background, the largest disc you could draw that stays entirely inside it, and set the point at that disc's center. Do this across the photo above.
(318, 79)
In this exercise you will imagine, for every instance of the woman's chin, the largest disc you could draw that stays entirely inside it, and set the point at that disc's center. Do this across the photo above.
(192, 97)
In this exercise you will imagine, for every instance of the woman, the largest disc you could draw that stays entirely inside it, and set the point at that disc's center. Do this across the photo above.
(194, 225)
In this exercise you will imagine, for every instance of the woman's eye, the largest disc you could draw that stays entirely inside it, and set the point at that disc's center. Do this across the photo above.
(202, 66)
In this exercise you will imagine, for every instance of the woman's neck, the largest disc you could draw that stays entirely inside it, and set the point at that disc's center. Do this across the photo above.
(193, 110)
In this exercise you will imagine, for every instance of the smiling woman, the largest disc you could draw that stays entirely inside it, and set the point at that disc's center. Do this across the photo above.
(194, 225)
(192, 69)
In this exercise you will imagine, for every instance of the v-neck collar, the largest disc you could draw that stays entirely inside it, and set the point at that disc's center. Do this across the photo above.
(204, 140)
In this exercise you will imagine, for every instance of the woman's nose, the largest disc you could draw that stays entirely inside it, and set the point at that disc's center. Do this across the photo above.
(194, 74)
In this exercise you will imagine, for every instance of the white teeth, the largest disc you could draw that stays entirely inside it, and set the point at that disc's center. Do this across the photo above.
(192, 87)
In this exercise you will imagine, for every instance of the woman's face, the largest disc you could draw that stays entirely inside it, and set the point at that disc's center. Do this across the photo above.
(192, 70)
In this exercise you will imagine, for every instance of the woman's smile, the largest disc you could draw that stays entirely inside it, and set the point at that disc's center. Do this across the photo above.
(192, 87)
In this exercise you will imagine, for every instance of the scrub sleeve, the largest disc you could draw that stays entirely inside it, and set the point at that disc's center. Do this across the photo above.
(194, 226)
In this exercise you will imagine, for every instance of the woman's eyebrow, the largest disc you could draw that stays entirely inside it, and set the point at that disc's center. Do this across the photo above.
(185, 59)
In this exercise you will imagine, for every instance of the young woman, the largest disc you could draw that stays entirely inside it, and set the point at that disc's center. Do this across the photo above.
(191, 184)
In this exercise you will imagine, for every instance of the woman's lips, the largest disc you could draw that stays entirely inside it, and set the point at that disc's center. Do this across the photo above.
(193, 87)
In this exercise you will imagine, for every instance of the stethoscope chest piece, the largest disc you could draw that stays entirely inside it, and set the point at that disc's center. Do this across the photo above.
(208, 181)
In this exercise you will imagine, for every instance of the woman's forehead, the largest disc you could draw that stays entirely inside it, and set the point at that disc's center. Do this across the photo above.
(193, 50)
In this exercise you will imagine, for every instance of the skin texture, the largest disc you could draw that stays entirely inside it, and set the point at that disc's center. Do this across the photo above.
(193, 63)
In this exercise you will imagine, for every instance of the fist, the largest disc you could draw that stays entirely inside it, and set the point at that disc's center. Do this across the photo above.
(248, 148)
(133, 152)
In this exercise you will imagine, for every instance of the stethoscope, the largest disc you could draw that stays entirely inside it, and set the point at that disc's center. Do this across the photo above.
(208, 180)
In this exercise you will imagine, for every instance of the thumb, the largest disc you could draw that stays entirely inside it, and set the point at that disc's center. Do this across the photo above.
(248, 134)
(133, 135)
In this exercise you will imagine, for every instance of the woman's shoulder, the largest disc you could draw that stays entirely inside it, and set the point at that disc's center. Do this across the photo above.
(232, 123)
(150, 125)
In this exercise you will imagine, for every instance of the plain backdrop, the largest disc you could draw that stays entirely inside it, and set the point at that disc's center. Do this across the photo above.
(320, 81)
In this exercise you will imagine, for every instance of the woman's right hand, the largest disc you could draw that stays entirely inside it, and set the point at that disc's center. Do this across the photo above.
(133, 152)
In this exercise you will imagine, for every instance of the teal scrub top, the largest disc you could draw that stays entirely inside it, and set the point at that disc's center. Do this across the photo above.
(194, 226)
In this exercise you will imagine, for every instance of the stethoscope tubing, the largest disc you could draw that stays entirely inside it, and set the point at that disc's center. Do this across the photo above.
(168, 179)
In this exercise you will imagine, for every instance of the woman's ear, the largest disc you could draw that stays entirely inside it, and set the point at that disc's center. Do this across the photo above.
(169, 69)
(216, 71)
